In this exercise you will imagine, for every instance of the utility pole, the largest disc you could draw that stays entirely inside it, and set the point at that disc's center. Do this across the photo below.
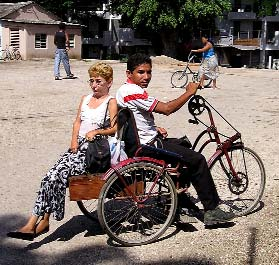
(263, 51)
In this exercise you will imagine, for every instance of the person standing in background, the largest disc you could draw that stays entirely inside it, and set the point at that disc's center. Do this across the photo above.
(61, 40)
(209, 65)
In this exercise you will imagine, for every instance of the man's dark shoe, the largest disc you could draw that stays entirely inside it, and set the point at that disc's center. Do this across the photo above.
(71, 76)
(217, 216)
(57, 78)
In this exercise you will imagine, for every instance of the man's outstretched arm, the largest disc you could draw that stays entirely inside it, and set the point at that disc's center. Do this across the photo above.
(174, 105)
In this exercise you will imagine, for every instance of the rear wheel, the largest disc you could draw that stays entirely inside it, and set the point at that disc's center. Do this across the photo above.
(140, 211)
(207, 82)
(18, 56)
(179, 79)
(89, 208)
(241, 194)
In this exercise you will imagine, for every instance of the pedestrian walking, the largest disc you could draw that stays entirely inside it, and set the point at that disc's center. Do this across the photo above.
(61, 40)
(209, 65)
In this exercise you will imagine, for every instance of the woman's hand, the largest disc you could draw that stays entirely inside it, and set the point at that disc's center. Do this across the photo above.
(194, 50)
(91, 135)
(74, 146)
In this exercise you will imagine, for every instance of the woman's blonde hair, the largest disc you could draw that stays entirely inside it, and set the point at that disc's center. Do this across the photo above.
(101, 69)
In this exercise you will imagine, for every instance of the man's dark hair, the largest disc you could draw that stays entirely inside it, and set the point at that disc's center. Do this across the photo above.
(62, 26)
(137, 59)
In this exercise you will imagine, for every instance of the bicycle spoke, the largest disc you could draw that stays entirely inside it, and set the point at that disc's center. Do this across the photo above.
(241, 193)
(143, 217)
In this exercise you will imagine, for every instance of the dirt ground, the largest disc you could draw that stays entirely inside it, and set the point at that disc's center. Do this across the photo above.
(36, 115)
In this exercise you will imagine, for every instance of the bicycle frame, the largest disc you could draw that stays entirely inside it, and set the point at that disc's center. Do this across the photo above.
(222, 147)
(190, 71)
(115, 169)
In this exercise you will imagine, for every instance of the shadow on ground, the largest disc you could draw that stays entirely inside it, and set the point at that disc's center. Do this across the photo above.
(14, 252)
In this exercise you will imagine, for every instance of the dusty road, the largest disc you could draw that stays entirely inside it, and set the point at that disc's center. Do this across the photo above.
(36, 114)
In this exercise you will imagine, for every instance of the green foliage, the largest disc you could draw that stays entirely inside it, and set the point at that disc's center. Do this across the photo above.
(58, 7)
(267, 7)
(169, 14)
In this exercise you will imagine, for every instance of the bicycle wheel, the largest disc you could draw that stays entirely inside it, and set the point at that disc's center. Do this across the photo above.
(207, 82)
(179, 79)
(5, 55)
(18, 56)
(89, 208)
(242, 195)
(141, 211)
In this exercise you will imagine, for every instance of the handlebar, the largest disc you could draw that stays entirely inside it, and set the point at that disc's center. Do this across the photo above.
(191, 57)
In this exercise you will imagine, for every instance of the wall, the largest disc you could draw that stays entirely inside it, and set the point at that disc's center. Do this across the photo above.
(1, 48)
(27, 39)
(50, 30)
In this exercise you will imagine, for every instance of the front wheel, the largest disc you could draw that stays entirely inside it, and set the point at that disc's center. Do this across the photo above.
(179, 79)
(244, 192)
(137, 205)
(5, 56)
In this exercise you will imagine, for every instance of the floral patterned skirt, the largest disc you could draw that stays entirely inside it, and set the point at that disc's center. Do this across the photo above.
(209, 68)
(51, 196)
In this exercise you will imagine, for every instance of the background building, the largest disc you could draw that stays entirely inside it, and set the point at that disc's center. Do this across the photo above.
(29, 28)
(103, 34)
(245, 38)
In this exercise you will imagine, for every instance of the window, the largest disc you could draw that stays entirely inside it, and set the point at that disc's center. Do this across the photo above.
(40, 41)
(14, 38)
(72, 40)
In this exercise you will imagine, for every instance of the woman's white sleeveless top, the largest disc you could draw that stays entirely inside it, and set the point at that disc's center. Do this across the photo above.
(93, 119)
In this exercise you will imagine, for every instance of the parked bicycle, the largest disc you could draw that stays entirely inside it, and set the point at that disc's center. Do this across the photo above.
(11, 54)
(180, 78)
(137, 201)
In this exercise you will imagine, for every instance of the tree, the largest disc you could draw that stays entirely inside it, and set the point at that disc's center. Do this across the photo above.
(59, 7)
(168, 17)
(267, 7)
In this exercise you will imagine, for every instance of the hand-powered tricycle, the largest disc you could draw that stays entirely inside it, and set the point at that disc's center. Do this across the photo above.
(136, 200)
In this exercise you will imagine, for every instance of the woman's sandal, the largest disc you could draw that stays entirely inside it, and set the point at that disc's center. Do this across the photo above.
(27, 236)
(21, 235)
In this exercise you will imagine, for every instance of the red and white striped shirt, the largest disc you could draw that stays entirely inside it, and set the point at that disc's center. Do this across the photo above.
(141, 104)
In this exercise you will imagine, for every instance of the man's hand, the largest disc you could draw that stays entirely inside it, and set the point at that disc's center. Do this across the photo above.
(191, 88)
(163, 132)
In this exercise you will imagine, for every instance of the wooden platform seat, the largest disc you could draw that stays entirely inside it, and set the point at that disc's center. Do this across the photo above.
(85, 187)
(88, 187)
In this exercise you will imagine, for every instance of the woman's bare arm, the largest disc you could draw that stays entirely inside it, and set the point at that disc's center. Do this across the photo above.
(76, 127)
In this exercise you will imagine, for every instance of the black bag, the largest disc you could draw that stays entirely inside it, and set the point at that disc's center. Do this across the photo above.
(97, 156)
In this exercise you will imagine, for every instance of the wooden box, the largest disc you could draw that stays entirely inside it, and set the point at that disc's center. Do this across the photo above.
(85, 187)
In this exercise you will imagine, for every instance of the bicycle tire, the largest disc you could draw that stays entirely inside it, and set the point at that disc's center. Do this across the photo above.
(89, 208)
(5, 55)
(18, 56)
(131, 223)
(242, 197)
(179, 79)
(207, 83)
